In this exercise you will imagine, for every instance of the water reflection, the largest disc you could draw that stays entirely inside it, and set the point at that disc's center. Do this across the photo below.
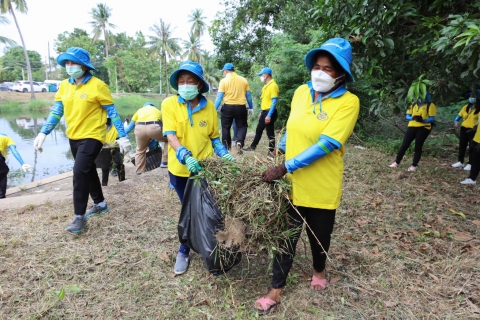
(56, 157)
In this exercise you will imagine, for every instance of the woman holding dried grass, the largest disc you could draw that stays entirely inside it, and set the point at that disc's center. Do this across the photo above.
(322, 117)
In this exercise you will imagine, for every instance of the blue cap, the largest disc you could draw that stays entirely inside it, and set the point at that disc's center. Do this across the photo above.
(193, 67)
(265, 70)
(340, 49)
(228, 66)
(148, 104)
(77, 55)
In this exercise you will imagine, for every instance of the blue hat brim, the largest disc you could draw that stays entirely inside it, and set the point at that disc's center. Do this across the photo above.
(64, 57)
(174, 76)
(343, 63)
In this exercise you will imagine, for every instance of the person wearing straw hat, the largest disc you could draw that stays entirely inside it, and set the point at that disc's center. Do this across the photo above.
(268, 115)
(86, 102)
(147, 122)
(322, 117)
(235, 91)
(7, 143)
(190, 123)
(470, 114)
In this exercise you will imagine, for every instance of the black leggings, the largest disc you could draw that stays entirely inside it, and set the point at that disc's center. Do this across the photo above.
(85, 176)
(419, 134)
(466, 138)
(3, 177)
(270, 130)
(474, 161)
(321, 221)
(238, 113)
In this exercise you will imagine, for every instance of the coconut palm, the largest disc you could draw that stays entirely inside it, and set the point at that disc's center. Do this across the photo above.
(198, 25)
(163, 45)
(5, 40)
(210, 71)
(100, 24)
(20, 6)
(192, 48)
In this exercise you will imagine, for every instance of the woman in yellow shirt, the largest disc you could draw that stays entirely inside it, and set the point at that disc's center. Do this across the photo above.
(322, 117)
(469, 114)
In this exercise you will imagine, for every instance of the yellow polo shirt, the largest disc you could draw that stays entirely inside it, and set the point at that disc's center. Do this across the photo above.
(415, 110)
(194, 135)
(476, 138)
(148, 113)
(470, 119)
(82, 104)
(111, 135)
(269, 91)
(5, 142)
(235, 87)
(319, 185)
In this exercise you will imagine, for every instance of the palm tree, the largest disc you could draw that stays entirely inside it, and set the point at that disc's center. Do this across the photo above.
(198, 25)
(100, 24)
(5, 40)
(210, 71)
(20, 6)
(192, 48)
(163, 45)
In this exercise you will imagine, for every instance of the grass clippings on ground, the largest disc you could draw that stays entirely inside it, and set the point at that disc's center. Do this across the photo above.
(398, 252)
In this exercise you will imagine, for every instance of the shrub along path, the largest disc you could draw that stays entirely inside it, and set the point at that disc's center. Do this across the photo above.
(401, 248)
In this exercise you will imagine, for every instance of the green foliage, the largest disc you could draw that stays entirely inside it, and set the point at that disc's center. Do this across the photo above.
(13, 61)
(418, 89)
(136, 101)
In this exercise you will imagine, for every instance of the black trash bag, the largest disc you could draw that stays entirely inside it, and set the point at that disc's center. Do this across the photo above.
(200, 220)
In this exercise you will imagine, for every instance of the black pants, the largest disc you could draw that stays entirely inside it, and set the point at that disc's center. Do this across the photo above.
(474, 161)
(466, 138)
(321, 221)
(270, 130)
(85, 177)
(118, 167)
(3, 176)
(240, 114)
(419, 134)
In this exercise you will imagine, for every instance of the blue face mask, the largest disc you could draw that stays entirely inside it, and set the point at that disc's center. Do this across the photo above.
(75, 71)
(472, 100)
(188, 91)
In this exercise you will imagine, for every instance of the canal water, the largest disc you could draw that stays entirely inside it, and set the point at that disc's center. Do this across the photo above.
(56, 157)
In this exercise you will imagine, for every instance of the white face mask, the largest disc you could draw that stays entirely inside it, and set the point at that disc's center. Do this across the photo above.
(262, 78)
(321, 81)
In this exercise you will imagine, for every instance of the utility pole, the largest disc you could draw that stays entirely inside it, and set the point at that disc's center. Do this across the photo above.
(49, 61)
(160, 74)
(46, 70)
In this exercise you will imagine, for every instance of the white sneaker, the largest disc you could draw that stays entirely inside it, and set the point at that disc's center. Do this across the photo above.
(412, 168)
(468, 181)
(457, 165)
(393, 165)
(467, 167)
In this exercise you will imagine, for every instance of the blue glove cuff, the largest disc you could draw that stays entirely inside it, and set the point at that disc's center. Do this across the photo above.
(408, 117)
(218, 147)
(429, 120)
(320, 149)
(219, 99)
(15, 153)
(248, 95)
(457, 118)
(130, 127)
(182, 153)
(272, 107)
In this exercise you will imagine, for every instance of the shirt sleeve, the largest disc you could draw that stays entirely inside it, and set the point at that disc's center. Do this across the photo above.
(169, 123)
(221, 86)
(274, 91)
(104, 95)
(343, 121)
(432, 110)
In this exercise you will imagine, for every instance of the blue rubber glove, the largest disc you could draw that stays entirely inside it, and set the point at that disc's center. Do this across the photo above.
(228, 157)
(192, 165)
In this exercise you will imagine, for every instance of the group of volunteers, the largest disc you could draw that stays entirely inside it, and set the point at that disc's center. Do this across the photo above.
(421, 119)
(322, 117)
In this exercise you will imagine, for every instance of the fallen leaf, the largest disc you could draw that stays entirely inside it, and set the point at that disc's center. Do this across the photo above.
(100, 262)
(375, 249)
(457, 213)
(476, 222)
(350, 237)
(316, 301)
(462, 236)
(433, 277)
(164, 256)
(335, 280)
(143, 222)
(390, 304)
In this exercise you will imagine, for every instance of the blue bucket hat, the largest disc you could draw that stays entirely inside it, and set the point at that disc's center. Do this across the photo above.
(192, 67)
(265, 70)
(77, 55)
(228, 66)
(340, 49)
(148, 104)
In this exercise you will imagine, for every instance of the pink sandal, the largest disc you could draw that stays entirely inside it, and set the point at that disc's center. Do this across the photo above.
(267, 305)
(318, 282)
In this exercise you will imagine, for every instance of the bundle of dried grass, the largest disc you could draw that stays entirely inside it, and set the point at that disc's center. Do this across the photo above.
(255, 212)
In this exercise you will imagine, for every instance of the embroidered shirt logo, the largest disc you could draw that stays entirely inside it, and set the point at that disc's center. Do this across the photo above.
(203, 123)
(83, 96)
(322, 116)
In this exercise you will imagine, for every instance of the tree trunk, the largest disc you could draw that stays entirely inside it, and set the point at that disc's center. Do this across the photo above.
(29, 69)
(160, 90)
(166, 78)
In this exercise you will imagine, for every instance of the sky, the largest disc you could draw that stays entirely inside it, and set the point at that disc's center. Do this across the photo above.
(45, 20)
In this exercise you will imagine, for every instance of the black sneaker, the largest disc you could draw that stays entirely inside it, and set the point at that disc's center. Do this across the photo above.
(248, 149)
(95, 209)
(77, 225)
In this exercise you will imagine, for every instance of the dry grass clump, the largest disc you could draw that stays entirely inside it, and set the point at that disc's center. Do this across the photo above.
(255, 212)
